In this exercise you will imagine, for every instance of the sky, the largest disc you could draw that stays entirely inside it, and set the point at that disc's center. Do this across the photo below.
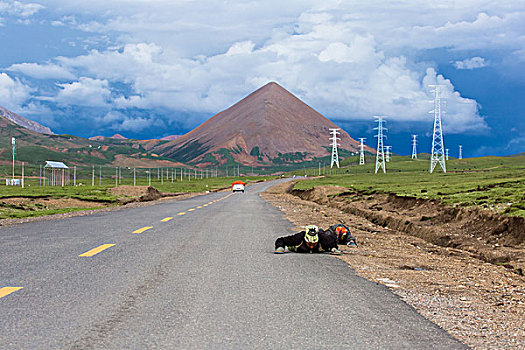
(152, 68)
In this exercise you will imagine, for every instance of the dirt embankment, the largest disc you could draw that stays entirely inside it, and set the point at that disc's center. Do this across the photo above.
(480, 303)
(486, 236)
(129, 194)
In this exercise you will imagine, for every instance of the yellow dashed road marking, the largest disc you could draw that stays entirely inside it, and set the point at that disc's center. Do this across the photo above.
(199, 207)
(96, 250)
(8, 290)
(210, 202)
(192, 209)
(205, 205)
(167, 219)
(140, 230)
(182, 213)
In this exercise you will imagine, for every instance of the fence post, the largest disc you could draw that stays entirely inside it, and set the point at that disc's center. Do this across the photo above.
(93, 178)
(75, 176)
(134, 178)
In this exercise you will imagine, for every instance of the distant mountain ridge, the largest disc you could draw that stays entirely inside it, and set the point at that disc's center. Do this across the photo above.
(34, 147)
(26, 123)
(268, 127)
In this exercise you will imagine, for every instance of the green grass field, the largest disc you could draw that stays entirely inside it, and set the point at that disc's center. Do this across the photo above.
(497, 183)
(97, 194)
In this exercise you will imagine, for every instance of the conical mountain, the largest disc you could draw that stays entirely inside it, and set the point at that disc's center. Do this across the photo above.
(269, 126)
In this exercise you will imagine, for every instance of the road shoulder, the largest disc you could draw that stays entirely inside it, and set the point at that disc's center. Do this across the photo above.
(480, 304)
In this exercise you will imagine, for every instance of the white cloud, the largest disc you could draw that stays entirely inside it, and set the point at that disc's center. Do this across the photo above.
(120, 121)
(42, 71)
(84, 92)
(245, 47)
(13, 93)
(471, 63)
(349, 60)
(19, 9)
(517, 143)
(346, 80)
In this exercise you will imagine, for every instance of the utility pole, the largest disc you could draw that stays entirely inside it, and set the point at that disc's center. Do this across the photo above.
(13, 142)
(438, 148)
(335, 156)
(380, 154)
(362, 151)
(414, 147)
(387, 150)
(460, 152)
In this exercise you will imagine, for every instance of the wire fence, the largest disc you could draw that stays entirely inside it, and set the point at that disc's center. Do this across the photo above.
(24, 174)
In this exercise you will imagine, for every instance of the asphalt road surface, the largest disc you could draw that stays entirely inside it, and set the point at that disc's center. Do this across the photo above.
(205, 279)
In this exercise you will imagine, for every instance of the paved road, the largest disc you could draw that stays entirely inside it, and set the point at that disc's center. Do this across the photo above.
(207, 279)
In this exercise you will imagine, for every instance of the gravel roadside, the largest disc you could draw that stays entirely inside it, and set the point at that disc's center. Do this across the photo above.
(479, 303)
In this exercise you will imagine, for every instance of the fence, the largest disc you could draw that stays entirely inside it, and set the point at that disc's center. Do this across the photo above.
(38, 175)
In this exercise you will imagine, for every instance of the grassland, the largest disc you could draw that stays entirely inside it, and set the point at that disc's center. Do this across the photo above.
(496, 183)
(98, 195)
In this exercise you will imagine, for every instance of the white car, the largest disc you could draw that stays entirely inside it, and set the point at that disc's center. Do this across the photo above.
(238, 188)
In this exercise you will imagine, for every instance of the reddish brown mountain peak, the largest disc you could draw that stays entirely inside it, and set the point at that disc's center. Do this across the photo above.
(258, 130)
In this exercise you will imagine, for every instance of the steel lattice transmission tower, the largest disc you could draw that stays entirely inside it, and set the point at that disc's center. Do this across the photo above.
(446, 153)
(460, 152)
(438, 148)
(362, 151)
(388, 150)
(380, 154)
(335, 156)
(414, 146)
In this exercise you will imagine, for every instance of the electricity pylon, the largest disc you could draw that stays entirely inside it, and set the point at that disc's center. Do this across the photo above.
(438, 149)
(387, 152)
(460, 152)
(362, 151)
(414, 146)
(446, 153)
(380, 154)
(335, 156)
